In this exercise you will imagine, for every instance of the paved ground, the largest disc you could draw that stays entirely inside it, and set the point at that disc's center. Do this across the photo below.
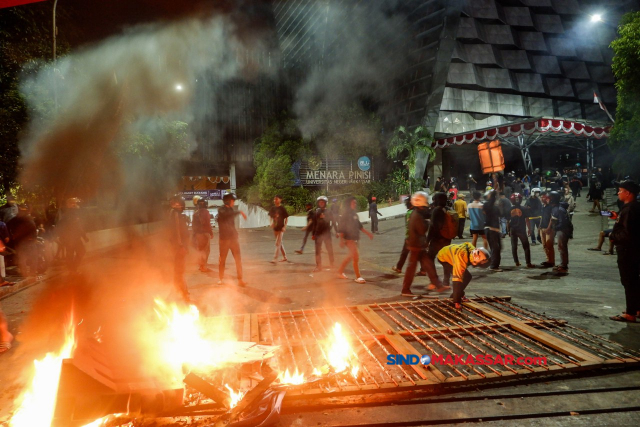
(112, 285)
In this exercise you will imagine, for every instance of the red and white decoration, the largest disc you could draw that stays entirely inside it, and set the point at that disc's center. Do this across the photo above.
(537, 126)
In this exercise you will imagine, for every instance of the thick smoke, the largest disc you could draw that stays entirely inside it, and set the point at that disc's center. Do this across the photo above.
(358, 54)
(126, 89)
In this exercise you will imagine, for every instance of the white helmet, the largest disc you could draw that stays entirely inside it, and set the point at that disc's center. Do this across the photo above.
(324, 198)
(420, 199)
(479, 257)
(535, 190)
(196, 199)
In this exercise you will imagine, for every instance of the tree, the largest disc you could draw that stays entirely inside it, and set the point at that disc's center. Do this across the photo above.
(625, 135)
(409, 145)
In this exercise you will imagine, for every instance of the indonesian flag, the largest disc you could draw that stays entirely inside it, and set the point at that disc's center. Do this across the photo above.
(11, 3)
(596, 100)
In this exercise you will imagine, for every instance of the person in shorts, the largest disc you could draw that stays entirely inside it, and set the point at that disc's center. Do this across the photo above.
(476, 216)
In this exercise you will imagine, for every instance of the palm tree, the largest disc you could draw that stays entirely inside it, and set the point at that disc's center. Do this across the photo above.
(410, 145)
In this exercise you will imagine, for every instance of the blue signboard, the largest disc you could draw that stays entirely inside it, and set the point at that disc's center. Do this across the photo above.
(364, 163)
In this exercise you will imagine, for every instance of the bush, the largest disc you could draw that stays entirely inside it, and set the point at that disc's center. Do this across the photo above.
(363, 204)
(290, 210)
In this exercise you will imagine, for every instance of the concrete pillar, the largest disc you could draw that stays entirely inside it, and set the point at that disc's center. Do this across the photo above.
(232, 177)
(435, 167)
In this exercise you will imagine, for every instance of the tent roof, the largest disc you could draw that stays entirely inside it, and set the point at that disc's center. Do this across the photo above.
(540, 130)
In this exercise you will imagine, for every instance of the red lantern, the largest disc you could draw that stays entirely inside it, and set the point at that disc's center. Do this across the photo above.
(491, 158)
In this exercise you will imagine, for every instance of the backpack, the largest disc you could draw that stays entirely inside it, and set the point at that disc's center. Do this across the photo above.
(449, 229)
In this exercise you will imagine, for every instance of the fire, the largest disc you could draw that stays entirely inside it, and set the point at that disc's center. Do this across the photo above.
(340, 354)
(293, 379)
(235, 396)
(38, 401)
(103, 421)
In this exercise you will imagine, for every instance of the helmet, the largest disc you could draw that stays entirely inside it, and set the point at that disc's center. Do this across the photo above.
(373, 199)
(516, 198)
(489, 183)
(536, 170)
(554, 197)
(535, 190)
(420, 199)
(176, 202)
(480, 257)
(322, 198)
(198, 200)
(72, 203)
(227, 197)
(453, 179)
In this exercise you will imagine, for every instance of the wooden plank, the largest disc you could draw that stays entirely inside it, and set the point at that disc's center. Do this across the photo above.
(400, 345)
(538, 335)
(255, 328)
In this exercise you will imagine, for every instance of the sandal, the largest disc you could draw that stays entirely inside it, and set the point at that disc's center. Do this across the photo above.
(342, 276)
(622, 318)
(360, 280)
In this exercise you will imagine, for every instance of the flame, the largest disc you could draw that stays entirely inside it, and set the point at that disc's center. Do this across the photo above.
(294, 379)
(38, 401)
(104, 420)
(340, 354)
(235, 396)
(185, 341)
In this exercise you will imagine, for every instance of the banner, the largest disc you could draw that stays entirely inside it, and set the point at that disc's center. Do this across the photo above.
(207, 194)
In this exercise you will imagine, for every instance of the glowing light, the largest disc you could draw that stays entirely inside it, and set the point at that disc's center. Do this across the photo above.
(236, 397)
(179, 87)
(294, 379)
(103, 421)
(596, 18)
(37, 403)
(340, 354)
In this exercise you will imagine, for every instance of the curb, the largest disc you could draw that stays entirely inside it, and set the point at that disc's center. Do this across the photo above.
(7, 291)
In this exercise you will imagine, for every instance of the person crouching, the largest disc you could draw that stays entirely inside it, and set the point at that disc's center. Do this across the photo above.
(455, 260)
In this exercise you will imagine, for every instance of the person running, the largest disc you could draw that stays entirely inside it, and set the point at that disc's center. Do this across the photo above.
(436, 240)
(373, 214)
(279, 218)
(416, 242)
(534, 209)
(560, 227)
(322, 231)
(229, 237)
(460, 206)
(547, 237)
(308, 229)
(455, 260)
(405, 249)
(601, 236)
(202, 232)
(476, 215)
(350, 228)
(626, 235)
(519, 228)
(492, 229)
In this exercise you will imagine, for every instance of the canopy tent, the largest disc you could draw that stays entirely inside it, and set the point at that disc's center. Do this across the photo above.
(582, 135)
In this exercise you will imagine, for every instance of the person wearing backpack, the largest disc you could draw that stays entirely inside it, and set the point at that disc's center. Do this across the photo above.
(444, 227)
(492, 229)
(561, 225)
(519, 228)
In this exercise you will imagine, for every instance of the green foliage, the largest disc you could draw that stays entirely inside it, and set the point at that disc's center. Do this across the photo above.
(363, 204)
(625, 135)
(407, 145)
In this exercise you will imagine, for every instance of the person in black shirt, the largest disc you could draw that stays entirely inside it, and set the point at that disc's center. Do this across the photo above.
(595, 193)
(435, 240)
(492, 229)
(322, 232)
(23, 233)
(534, 207)
(179, 238)
(308, 229)
(229, 237)
(350, 228)
(547, 234)
(279, 218)
(626, 235)
(373, 214)
(519, 228)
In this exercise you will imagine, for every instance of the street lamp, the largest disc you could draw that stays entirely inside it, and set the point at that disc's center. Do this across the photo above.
(179, 87)
(596, 18)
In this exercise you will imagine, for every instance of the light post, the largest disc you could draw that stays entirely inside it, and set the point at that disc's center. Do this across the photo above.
(55, 31)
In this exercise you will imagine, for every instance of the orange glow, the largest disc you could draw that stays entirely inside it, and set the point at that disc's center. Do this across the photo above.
(293, 379)
(491, 158)
(37, 403)
(236, 397)
(340, 354)
(103, 421)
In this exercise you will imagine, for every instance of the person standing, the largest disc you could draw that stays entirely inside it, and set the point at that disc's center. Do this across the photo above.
(576, 186)
(179, 239)
(308, 229)
(350, 228)
(24, 233)
(229, 237)
(517, 230)
(625, 236)
(72, 234)
(405, 249)
(373, 214)
(436, 240)
(504, 206)
(322, 231)
(4, 241)
(546, 234)
(595, 192)
(279, 218)
(492, 230)
(534, 210)
(476, 216)
(570, 201)
(559, 225)
(455, 260)
(202, 232)
(460, 206)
